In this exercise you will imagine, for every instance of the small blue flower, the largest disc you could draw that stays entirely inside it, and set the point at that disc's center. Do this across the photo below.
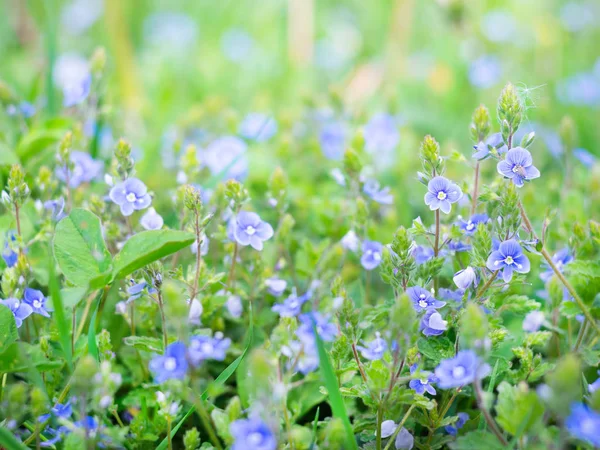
(470, 226)
(291, 306)
(226, 154)
(252, 434)
(432, 323)
(258, 127)
(485, 72)
(131, 195)
(509, 258)
(371, 254)
(249, 229)
(152, 220)
(422, 299)
(583, 423)
(585, 157)
(381, 134)
(375, 349)
(560, 260)
(327, 330)
(422, 254)
(9, 255)
(494, 141)
(533, 321)
(303, 355)
(441, 194)
(463, 279)
(27, 109)
(172, 365)
(453, 296)
(423, 384)
(518, 166)
(404, 440)
(53, 435)
(350, 241)
(205, 347)
(333, 140)
(593, 387)
(63, 411)
(72, 76)
(463, 369)
(460, 422)
(275, 286)
(57, 208)
(37, 301)
(380, 195)
(20, 310)
(84, 169)
(457, 246)
(136, 290)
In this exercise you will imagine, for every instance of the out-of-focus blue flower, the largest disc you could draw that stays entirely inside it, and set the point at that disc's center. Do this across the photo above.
(53, 435)
(422, 299)
(381, 134)
(205, 347)
(170, 33)
(560, 259)
(237, 45)
(499, 26)
(304, 355)
(258, 127)
(585, 157)
(252, 434)
(460, 422)
(508, 258)
(57, 208)
(37, 301)
(485, 72)
(375, 349)
(84, 169)
(249, 229)
(27, 109)
(350, 241)
(404, 440)
(152, 220)
(463, 279)
(387, 428)
(482, 150)
(131, 195)
(327, 330)
(583, 423)
(73, 77)
(463, 369)
(423, 384)
(292, 305)
(454, 296)
(441, 194)
(20, 310)
(593, 387)
(432, 323)
(422, 254)
(371, 254)
(518, 166)
(581, 89)
(275, 286)
(63, 411)
(136, 290)
(172, 365)
(469, 226)
(533, 321)
(380, 195)
(9, 255)
(79, 15)
(333, 140)
(226, 154)
(457, 246)
(234, 306)
(577, 16)
(203, 246)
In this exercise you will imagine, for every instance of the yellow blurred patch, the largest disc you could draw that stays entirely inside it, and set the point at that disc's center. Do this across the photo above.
(441, 79)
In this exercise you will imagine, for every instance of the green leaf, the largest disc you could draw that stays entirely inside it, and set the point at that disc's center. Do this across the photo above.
(436, 349)
(71, 297)
(38, 144)
(149, 246)
(60, 316)
(335, 397)
(147, 344)
(8, 327)
(92, 345)
(7, 156)
(9, 441)
(79, 248)
(518, 408)
(477, 440)
(22, 357)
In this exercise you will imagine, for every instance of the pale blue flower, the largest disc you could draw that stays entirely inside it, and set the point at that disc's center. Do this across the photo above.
(372, 254)
(381, 134)
(432, 323)
(378, 194)
(375, 349)
(533, 321)
(508, 258)
(583, 423)
(20, 310)
(249, 229)
(258, 127)
(463, 279)
(460, 422)
(226, 157)
(441, 194)
(130, 195)
(252, 434)
(152, 220)
(202, 348)
(518, 166)
(461, 370)
(37, 301)
(485, 72)
(172, 365)
(333, 140)
(422, 299)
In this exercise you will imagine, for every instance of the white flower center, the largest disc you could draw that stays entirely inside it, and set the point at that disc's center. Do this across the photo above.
(470, 225)
(37, 304)
(170, 363)
(131, 197)
(255, 438)
(376, 256)
(458, 372)
(424, 381)
(441, 195)
(509, 260)
(207, 347)
(422, 303)
(588, 426)
(250, 230)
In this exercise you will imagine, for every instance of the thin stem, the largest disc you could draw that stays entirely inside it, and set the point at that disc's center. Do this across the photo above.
(198, 257)
(486, 414)
(400, 425)
(230, 278)
(169, 442)
(86, 311)
(449, 403)
(487, 284)
(163, 319)
(580, 335)
(379, 421)
(475, 189)
(205, 419)
(436, 245)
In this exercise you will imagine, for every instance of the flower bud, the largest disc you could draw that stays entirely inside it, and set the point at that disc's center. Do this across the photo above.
(480, 126)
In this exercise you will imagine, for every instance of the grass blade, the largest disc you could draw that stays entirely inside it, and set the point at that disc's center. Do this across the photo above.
(313, 442)
(60, 316)
(333, 390)
(9, 441)
(92, 345)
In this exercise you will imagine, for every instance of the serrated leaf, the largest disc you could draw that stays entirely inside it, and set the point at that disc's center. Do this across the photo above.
(149, 246)
(436, 349)
(8, 327)
(518, 410)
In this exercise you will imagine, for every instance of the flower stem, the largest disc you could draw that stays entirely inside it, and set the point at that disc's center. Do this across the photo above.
(475, 189)
(230, 278)
(170, 444)
(487, 284)
(163, 319)
(205, 419)
(486, 414)
(399, 427)
(379, 421)
(436, 247)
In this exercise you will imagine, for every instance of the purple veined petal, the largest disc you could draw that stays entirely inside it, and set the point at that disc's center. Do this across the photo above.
(507, 273)
(430, 198)
(118, 194)
(247, 218)
(438, 304)
(519, 156)
(510, 248)
(454, 193)
(505, 169)
(135, 186)
(256, 243)
(433, 203)
(142, 202)
(445, 206)
(495, 261)
(521, 264)
(532, 172)
(429, 388)
(23, 311)
(437, 322)
(494, 140)
(518, 180)
(127, 208)
(482, 151)
(438, 184)
(241, 236)
(264, 231)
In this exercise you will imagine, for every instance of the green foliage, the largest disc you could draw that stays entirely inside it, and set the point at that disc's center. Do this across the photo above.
(519, 409)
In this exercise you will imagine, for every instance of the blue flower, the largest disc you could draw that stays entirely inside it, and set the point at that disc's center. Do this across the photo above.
(422, 254)
(463, 369)
(432, 323)
(518, 166)
(258, 127)
(206, 347)
(463, 279)
(237, 45)
(422, 299)
(333, 140)
(226, 154)
(36, 300)
(249, 229)
(457, 246)
(172, 365)
(303, 355)
(252, 434)
(423, 384)
(275, 286)
(131, 195)
(470, 226)
(57, 207)
(509, 257)
(533, 321)
(350, 241)
(380, 195)
(584, 423)
(27, 109)
(371, 254)
(593, 387)
(77, 91)
(585, 157)
(327, 330)
(84, 169)
(441, 194)
(152, 220)
(292, 305)
(72, 75)
(560, 259)
(63, 411)
(485, 72)
(9, 255)
(460, 422)
(19, 309)
(404, 440)
(454, 296)
(375, 349)
(136, 290)
(381, 134)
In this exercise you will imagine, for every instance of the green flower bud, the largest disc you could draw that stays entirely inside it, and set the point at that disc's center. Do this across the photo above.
(510, 111)
(98, 61)
(18, 190)
(433, 164)
(189, 161)
(192, 199)
(362, 212)
(568, 133)
(39, 401)
(352, 164)
(84, 374)
(236, 192)
(480, 125)
(123, 159)
(191, 439)
(473, 326)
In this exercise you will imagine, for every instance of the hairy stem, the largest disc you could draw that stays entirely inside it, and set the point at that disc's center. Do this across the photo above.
(486, 414)
(475, 189)
(400, 425)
